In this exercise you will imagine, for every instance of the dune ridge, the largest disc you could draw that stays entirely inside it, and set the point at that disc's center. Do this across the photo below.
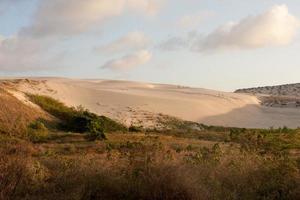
(142, 103)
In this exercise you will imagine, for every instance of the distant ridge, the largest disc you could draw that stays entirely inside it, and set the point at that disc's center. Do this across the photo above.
(292, 90)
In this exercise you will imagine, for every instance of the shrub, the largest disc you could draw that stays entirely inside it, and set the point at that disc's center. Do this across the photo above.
(95, 131)
(37, 132)
(52, 106)
(133, 128)
(77, 119)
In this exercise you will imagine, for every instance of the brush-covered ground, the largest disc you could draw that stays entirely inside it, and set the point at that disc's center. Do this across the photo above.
(52, 151)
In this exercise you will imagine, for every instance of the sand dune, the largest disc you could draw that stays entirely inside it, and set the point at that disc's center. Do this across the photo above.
(133, 102)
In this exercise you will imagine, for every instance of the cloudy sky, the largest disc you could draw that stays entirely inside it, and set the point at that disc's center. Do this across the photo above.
(218, 44)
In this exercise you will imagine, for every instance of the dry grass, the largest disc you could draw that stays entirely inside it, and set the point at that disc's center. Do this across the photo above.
(15, 116)
(15, 157)
(138, 166)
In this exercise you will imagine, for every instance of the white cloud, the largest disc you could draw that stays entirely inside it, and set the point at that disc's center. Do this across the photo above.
(23, 54)
(131, 42)
(31, 48)
(35, 46)
(129, 61)
(193, 20)
(70, 17)
(274, 27)
(56, 17)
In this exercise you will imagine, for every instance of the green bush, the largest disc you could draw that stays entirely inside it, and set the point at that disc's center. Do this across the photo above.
(77, 119)
(95, 131)
(52, 106)
(37, 132)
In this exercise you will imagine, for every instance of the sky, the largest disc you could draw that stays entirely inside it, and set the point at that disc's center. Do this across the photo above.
(216, 44)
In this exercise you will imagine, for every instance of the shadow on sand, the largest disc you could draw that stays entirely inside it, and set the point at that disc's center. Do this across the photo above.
(255, 116)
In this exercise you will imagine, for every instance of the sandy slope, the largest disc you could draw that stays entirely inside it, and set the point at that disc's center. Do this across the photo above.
(133, 102)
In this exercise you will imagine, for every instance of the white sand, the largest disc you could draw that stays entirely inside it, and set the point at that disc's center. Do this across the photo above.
(129, 102)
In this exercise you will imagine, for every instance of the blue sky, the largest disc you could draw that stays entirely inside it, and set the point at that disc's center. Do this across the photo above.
(218, 44)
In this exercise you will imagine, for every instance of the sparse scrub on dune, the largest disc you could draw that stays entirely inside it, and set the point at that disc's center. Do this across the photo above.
(133, 128)
(291, 90)
(281, 138)
(77, 119)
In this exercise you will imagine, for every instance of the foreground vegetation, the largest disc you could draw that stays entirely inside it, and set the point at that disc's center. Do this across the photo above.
(139, 166)
(186, 161)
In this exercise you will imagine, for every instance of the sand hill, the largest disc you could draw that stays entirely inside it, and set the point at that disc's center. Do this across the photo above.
(292, 90)
(15, 116)
(282, 96)
(145, 103)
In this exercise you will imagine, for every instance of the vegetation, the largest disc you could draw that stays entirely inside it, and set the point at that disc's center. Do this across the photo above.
(136, 129)
(77, 119)
(37, 132)
(138, 166)
(185, 161)
(291, 90)
(15, 116)
(279, 139)
(95, 131)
